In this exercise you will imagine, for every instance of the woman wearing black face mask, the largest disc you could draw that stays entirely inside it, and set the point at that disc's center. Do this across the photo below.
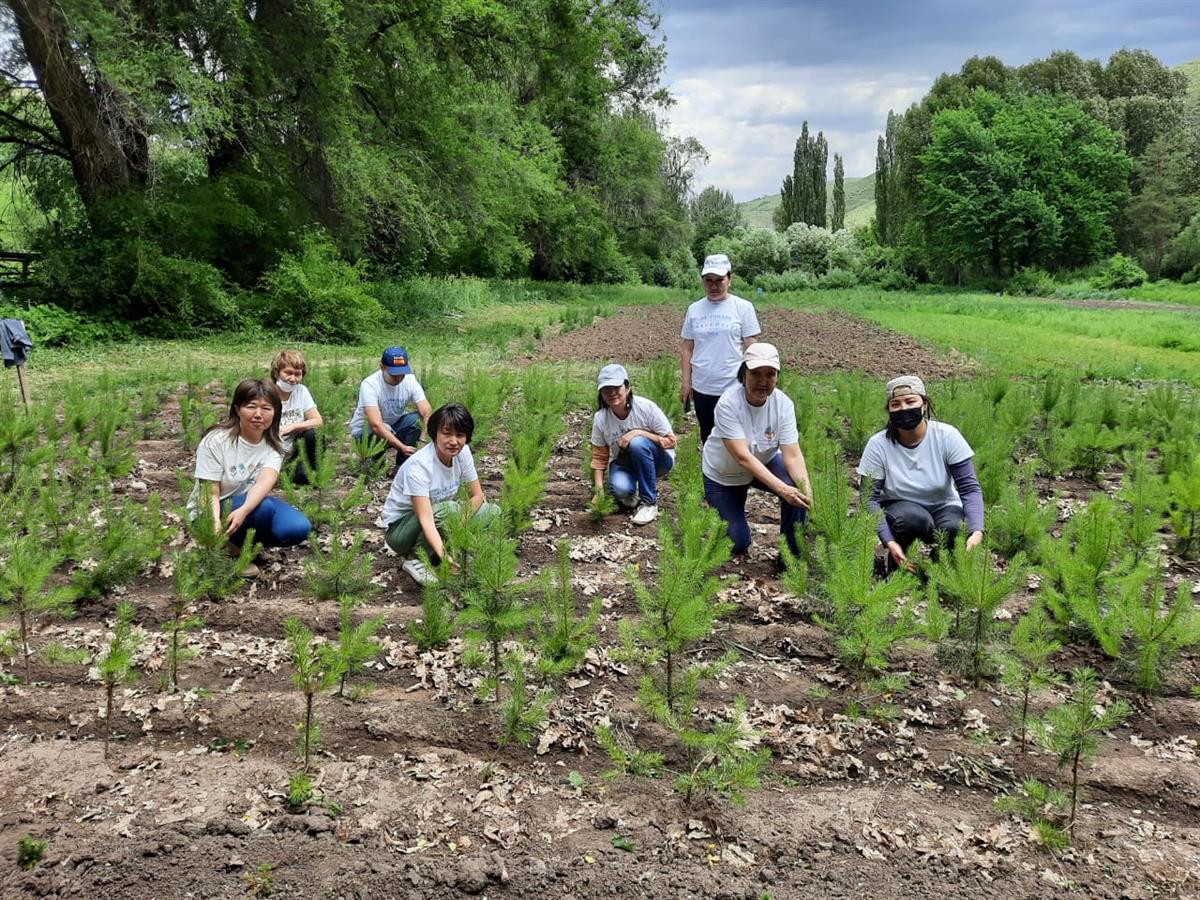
(924, 479)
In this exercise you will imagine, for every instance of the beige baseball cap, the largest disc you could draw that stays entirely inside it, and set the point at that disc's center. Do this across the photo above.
(761, 354)
(905, 384)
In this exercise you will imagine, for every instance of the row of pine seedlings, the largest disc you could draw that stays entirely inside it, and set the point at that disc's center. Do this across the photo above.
(67, 541)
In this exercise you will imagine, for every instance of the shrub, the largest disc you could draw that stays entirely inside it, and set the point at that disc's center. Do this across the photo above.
(1118, 273)
(317, 296)
(421, 299)
(1182, 259)
(52, 326)
(1030, 281)
(788, 280)
(809, 247)
(838, 279)
(762, 251)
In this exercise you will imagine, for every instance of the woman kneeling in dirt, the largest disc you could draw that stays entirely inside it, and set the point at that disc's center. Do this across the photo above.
(237, 465)
(633, 441)
(755, 443)
(922, 473)
(424, 488)
(300, 420)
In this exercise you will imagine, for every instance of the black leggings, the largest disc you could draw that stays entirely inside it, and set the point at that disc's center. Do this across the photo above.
(706, 405)
(304, 451)
(912, 521)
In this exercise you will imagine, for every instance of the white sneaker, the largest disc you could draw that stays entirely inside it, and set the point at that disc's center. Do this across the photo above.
(419, 571)
(646, 513)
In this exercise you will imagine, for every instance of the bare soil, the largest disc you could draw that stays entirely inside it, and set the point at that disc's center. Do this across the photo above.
(421, 803)
(811, 342)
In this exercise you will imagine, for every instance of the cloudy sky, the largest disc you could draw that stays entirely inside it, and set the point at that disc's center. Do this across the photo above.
(747, 73)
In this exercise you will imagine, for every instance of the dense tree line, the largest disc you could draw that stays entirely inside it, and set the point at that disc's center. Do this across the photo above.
(1055, 164)
(181, 150)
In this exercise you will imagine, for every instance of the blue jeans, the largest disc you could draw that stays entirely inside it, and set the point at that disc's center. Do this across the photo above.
(407, 430)
(638, 471)
(275, 523)
(730, 504)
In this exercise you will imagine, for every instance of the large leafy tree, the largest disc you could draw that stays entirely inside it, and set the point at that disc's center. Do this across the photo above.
(1013, 182)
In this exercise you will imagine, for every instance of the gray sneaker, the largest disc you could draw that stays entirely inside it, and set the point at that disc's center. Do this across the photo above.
(646, 513)
(419, 572)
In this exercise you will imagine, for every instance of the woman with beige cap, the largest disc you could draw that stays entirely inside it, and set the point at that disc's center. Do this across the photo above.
(922, 475)
(756, 444)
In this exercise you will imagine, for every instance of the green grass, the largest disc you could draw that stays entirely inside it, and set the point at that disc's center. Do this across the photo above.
(1032, 337)
(1158, 292)
(1192, 71)
(860, 204)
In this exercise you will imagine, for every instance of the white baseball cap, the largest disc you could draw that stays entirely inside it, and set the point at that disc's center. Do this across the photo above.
(760, 354)
(717, 264)
(612, 375)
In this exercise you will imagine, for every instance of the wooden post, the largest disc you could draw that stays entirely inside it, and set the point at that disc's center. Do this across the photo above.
(24, 387)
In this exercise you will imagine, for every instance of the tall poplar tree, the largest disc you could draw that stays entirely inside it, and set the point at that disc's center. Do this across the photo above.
(818, 160)
(839, 194)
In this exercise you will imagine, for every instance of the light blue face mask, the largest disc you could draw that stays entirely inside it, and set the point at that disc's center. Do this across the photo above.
(284, 386)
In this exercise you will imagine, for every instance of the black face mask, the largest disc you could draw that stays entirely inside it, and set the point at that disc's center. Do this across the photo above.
(906, 419)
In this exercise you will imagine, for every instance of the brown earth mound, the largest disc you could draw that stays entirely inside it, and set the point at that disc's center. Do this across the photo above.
(811, 341)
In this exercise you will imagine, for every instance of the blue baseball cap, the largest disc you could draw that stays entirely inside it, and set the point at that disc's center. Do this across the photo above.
(396, 361)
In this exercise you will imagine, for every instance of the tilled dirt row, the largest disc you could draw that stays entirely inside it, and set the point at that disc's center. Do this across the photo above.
(419, 801)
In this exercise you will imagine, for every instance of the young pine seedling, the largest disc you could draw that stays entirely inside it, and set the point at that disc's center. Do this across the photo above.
(214, 572)
(1146, 493)
(436, 625)
(30, 851)
(1024, 669)
(131, 538)
(723, 761)
(975, 591)
(26, 591)
(1074, 730)
(191, 586)
(1044, 808)
(116, 665)
(522, 713)
(563, 636)
(1150, 632)
(1184, 488)
(341, 571)
(314, 670)
(356, 643)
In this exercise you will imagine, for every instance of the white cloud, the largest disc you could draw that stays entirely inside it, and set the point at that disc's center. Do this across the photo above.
(748, 118)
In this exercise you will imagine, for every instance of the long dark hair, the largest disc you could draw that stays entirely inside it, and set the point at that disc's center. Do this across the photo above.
(254, 389)
(600, 404)
(892, 433)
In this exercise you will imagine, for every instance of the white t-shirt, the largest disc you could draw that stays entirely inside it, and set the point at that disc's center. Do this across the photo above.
(298, 403)
(423, 475)
(234, 463)
(764, 428)
(718, 329)
(919, 473)
(392, 400)
(646, 415)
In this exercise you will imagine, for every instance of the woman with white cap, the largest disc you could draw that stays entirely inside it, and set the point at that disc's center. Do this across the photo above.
(716, 329)
(755, 443)
(922, 474)
(632, 441)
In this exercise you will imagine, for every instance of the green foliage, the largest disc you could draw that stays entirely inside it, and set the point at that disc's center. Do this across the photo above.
(1120, 272)
(723, 762)
(802, 198)
(1083, 564)
(356, 644)
(315, 669)
(191, 586)
(436, 624)
(1184, 489)
(661, 384)
(30, 851)
(130, 538)
(116, 663)
(865, 617)
(627, 758)
(1146, 495)
(340, 570)
(26, 590)
(1044, 808)
(314, 296)
(712, 212)
(1074, 730)
(563, 636)
(602, 504)
(1024, 668)
(521, 714)
(300, 789)
(1018, 522)
(52, 326)
(1145, 631)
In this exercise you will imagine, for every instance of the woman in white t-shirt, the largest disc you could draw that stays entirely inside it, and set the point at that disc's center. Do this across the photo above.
(300, 419)
(921, 474)
(237, 465)
(424, 488)
(717, 328)
(755, 443)
(633, 441)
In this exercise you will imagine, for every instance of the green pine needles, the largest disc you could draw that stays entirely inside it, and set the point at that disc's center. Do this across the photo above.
(314, 670)
(340, 570)
(130, 539)
(436, 625)
(1025, 668)
(1044, 808)
(975, 592)
(561, 634)
(1184, 488)
(116, 664)
(26, 591)
(1074, 730)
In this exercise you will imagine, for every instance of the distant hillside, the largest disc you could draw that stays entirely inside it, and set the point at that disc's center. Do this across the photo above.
(1192, 71)
(860, 204)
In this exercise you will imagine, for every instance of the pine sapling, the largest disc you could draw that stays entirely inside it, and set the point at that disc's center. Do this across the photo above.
(213, 571)
(130, 539)
(724, 761)
(626, 758)
(1152, 632)
(522, 713)
(1025, 670)
(314, 670)
(436, 624)
(1018, 523)
(116, 665)
(1146, 494)
(1184, 488)
(563, 637)
(191, 586)
(1044, 808)
(976, 592)
(356, 643)
(494, 608)
(342, 570)
(1074, 730)
(26, 591)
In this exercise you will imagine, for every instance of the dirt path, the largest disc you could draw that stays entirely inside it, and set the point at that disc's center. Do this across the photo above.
(421, 803)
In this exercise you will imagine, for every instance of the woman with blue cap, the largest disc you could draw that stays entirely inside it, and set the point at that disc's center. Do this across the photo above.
(633, 441)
